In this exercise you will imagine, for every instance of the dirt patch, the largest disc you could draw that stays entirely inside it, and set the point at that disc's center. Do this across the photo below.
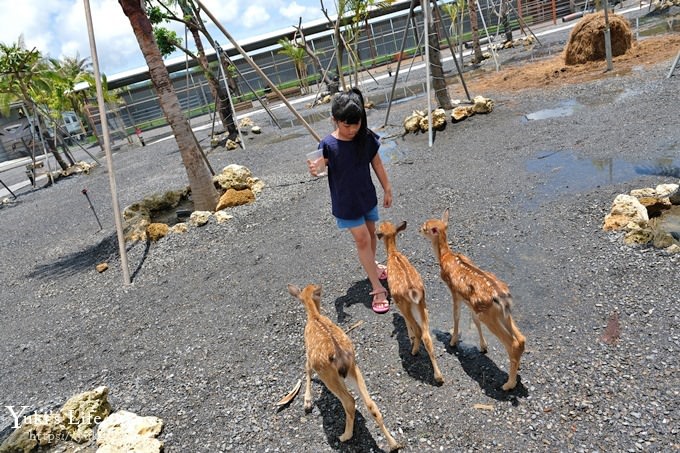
(554, 72)
(586, 40)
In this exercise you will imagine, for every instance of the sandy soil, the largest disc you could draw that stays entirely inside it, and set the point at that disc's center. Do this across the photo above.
(552, 72)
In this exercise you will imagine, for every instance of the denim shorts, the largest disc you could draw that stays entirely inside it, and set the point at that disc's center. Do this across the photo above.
(370, 216)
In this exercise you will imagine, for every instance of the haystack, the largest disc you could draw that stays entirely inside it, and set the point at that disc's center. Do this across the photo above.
(586, 41)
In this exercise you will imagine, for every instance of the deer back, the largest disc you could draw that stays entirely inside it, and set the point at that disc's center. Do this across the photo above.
(326, 343)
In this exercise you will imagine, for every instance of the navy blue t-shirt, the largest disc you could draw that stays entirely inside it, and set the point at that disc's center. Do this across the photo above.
(349, 175)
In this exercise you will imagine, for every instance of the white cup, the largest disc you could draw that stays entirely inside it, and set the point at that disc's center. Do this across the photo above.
(316, 158)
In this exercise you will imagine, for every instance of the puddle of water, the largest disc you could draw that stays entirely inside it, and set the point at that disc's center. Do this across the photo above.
(567, 173)
(390, 152)
(564, 108)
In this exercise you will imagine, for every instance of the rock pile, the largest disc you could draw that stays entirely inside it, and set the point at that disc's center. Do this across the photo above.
(236, 182)
(418, 120)
(75, 422)
(640, 215)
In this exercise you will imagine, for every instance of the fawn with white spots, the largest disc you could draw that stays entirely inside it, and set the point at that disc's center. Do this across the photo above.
(487, 297)
(408, 292)
(330, 354)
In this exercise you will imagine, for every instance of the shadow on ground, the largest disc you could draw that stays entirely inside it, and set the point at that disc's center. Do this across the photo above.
(483, 370)
(79, 261)
(334, 424)
(417, 366)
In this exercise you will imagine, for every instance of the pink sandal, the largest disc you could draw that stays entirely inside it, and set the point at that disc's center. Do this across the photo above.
(380, 303)
(382, 271)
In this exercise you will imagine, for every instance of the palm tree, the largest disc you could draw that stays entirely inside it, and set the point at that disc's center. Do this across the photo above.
(302, 42)
(203, 191)
(295, 52)
(25, 76)
(455, 12)
(168, 42)
(349, 39)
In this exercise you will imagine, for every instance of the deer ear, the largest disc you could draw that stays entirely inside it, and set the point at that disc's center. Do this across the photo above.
(445, 216)
(435, 230)
(317, 294)
(293, 290)
(402, 226)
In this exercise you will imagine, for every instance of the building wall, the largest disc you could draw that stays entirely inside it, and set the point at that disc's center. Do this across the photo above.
(387, 33)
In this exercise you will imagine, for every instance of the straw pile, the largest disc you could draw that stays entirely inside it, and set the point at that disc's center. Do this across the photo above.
(586, 41)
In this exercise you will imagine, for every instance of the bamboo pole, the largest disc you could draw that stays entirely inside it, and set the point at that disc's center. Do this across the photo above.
(107, 147)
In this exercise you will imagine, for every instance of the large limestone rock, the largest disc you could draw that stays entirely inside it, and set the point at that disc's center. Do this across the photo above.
(625, 209)
(482, 104)
(438, 121)
(232, 198)
(125, 431)
(74, 421)
(238, 177)
(156, 231)
(83, 411)
(37, 430)
(412, 122)
(199, 218)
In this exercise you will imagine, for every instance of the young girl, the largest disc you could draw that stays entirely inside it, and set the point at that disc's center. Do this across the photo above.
(350, 150)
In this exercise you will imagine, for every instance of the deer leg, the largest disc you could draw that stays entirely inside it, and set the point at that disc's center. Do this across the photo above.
(427, 342)
(308, 386)
(337, 386)
(456, 320)
(415, 342)
(483, 347)
(356, 378)
(501, 326)
(413, 331)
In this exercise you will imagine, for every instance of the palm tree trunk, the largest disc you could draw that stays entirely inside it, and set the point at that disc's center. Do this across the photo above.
(436, 68)
(477, 49)
(41, 128)
(203, 192)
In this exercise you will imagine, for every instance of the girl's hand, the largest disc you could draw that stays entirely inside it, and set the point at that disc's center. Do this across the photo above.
(311, 167)
(387, 199)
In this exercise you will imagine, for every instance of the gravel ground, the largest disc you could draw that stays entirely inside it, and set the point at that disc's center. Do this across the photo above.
(208, 338)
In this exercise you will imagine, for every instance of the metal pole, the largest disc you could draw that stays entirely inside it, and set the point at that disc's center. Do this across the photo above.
(84, 192)
(259, 71)
(607, 37)
(8, 189)
(401, 52)
(426, 32)
(107, 146)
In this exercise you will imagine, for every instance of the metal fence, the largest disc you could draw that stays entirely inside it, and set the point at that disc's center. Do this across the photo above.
(379, 47)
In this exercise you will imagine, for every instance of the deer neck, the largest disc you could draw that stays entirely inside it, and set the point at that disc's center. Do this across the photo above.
(390, 246)
(440, 246)
(312, 311)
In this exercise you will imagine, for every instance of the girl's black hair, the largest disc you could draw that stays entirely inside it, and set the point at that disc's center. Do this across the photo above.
(348, 107)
